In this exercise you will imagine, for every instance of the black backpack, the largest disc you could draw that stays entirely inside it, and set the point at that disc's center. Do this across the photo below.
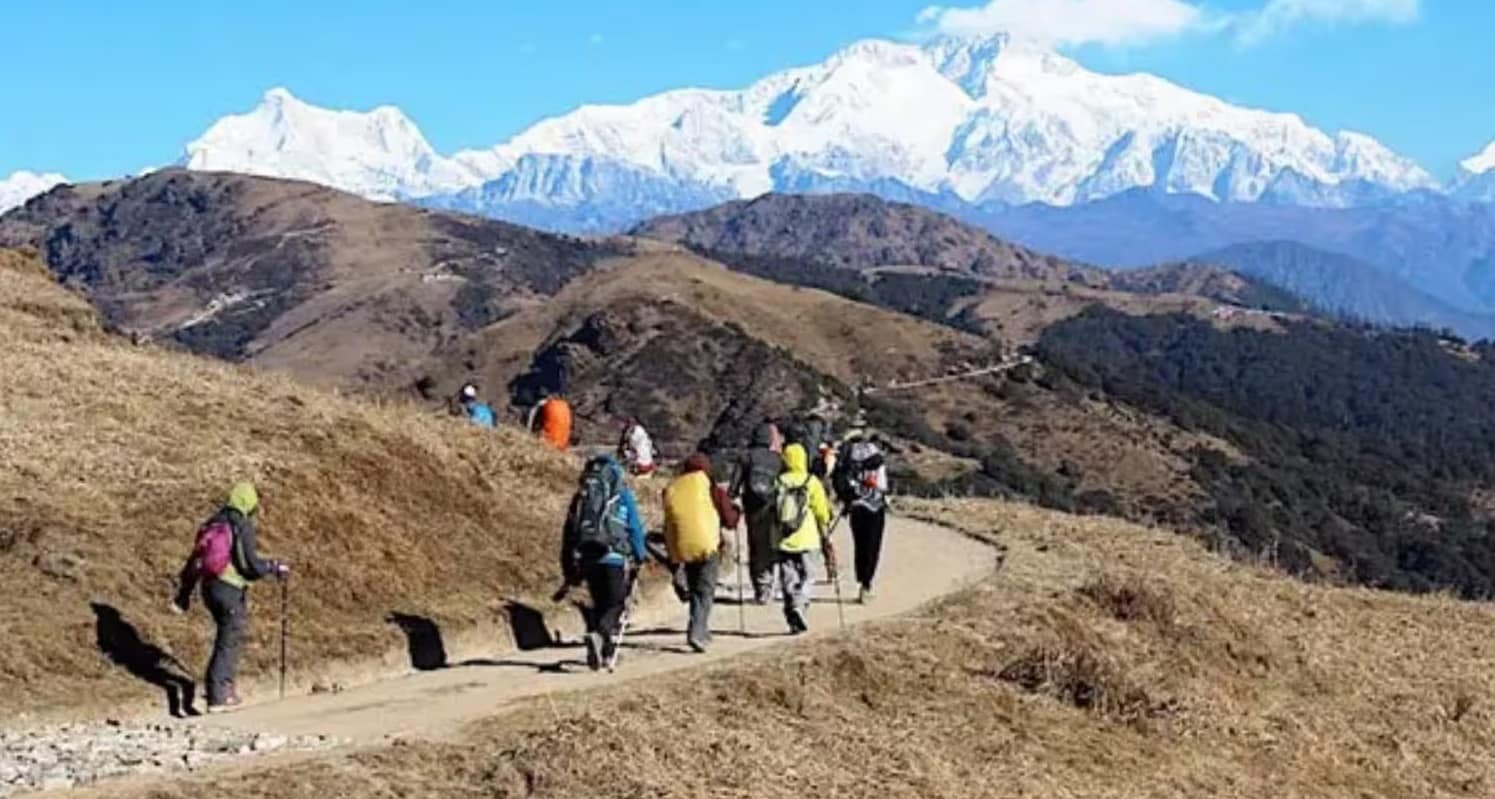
(597, 528)
(856, 459)
(762, 481)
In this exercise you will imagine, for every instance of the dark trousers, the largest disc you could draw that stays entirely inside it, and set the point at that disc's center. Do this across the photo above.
(866, 534)
(763, 555)
(700, 581)
(608, 586)
(230, 609)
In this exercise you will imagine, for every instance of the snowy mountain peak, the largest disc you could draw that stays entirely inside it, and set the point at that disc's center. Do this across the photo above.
(1480, 163)
(379, 154)
(22, 186)
(1476, 178)
(950, 122)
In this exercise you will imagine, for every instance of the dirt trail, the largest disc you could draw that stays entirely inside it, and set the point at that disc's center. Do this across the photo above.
(920, 562)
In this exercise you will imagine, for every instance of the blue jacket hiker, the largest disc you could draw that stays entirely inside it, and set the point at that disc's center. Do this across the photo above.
(602, 544)
(477, 412)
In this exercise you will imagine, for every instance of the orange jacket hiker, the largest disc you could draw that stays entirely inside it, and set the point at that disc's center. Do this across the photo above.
(555, 423)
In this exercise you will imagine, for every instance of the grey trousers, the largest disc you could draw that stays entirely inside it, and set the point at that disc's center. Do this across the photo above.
(797, 580)
(700, 580)
(230, 609)
(762, 557)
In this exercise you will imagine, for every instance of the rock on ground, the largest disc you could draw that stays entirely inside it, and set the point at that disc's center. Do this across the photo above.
(77, 754)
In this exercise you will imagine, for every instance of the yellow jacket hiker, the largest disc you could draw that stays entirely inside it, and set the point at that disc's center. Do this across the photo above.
(797, 476)
(802, 498)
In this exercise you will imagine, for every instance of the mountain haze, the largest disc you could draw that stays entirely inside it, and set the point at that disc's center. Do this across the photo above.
(1343, 286)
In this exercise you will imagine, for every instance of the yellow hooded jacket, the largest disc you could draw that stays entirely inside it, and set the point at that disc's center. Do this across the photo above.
(692, 529)
(243, 498)
(818, 520)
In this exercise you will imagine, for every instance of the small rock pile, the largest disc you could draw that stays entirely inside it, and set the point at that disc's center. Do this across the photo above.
(77, 754)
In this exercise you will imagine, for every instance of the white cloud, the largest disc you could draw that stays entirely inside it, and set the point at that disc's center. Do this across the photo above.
(1062, 23)
(1278, 15)
(1070, 22)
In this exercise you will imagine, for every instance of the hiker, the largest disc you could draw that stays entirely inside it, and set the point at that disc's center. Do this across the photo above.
(636, 449)
(811, 433)
(551, 420)
(804, 517)
(861, 484)
(696, 510)
(479, 413)
(756, 486)
(225, 561)
(602, 544)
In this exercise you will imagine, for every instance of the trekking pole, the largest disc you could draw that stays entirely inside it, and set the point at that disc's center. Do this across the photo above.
(612, 660)
(836, 570)
(741, 609)
(285, 628)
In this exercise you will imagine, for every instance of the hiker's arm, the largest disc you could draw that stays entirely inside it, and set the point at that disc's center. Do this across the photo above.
(635, 527)
(186, 582)
(725, 509)
(253, 566)
(569, 567)
(738, 484)
(820, 506)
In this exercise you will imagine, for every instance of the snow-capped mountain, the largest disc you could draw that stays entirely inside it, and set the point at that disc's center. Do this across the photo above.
(380, 154)
(1476, 178)
(951, 123)
(22, 186)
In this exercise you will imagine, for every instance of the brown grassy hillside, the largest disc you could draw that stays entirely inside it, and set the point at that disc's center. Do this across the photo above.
(111, 454)
(663, 309)
(932, 265)
(325, 285)
(861, 232)
(1104, 660)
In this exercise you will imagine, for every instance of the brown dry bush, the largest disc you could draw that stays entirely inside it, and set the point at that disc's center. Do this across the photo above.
(1130, 599)
(1083, 677)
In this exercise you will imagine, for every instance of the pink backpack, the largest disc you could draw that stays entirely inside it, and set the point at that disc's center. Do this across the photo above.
(213, 551)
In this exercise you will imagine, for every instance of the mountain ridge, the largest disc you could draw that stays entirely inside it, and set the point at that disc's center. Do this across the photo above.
(999, 121)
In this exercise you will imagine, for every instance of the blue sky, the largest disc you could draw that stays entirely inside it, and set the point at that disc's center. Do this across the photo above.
(97, 89)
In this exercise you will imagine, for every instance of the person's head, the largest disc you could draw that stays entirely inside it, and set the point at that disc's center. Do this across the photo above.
(244, 498)
(764, 435)
(469, 394)
(609, 466)
(697, 462)
(795, 459)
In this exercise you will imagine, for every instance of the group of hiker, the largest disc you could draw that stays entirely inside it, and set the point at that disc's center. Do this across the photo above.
(550, 418)
(775, 487)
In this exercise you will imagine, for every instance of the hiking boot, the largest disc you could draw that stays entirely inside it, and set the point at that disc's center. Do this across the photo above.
(228, 705)
(594, 651)
(796, 622)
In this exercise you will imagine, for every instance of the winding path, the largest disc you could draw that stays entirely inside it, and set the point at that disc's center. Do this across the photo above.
(920, 562)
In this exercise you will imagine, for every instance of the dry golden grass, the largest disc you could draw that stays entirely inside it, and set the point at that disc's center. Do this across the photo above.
(1105, 660)
(110, 455)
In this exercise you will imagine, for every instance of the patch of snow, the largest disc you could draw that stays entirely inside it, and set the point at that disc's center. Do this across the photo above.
(22, 186)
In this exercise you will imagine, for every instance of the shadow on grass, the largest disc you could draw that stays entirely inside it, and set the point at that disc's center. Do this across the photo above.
(120, 642)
